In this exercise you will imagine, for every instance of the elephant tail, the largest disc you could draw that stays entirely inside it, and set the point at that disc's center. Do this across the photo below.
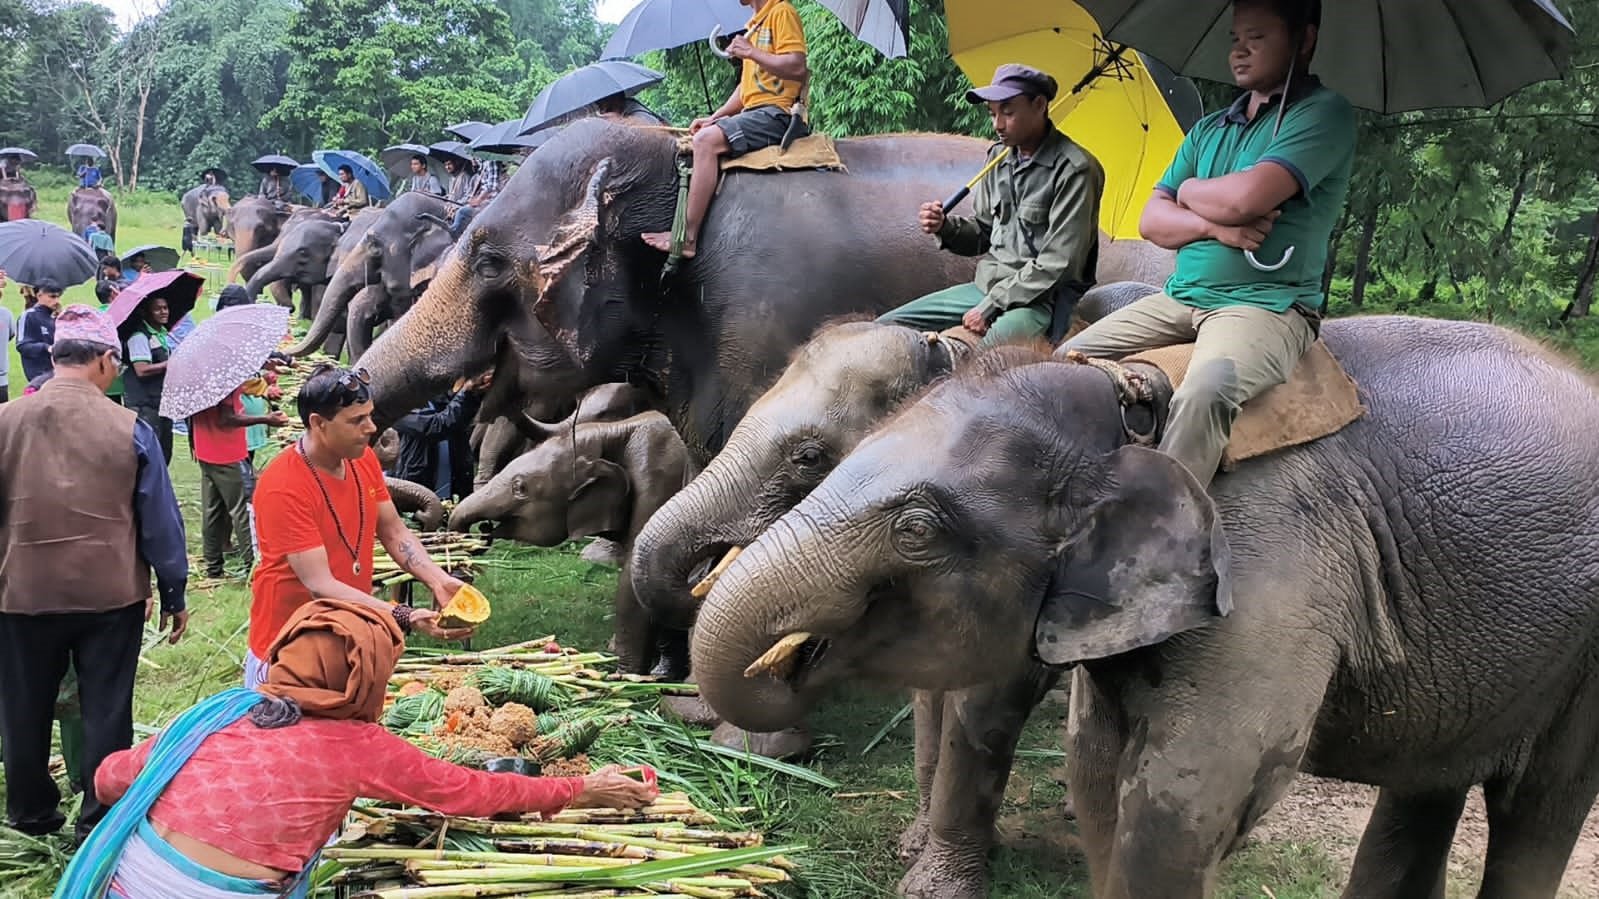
(413, 497)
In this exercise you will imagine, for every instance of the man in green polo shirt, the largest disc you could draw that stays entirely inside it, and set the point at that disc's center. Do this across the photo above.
(1036, 227)
(1251, 178)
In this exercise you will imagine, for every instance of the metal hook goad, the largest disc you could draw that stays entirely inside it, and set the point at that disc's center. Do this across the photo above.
(716, 33)
(1263, 267)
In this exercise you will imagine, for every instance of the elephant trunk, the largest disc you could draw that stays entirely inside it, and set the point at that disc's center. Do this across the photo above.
(421, 355)
(246, 265)
(412, 497)
(484, 504)
(350, 278)
(363, 319)
(718, 511)
(762, 599)
(274, 271)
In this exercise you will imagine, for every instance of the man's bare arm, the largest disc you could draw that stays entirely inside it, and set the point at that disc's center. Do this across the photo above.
(1166, 224)
(312, 569)
(405, 549)
(787, 66)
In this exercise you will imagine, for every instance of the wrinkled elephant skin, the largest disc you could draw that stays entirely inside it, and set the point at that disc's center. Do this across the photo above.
(560, 247)
(300, 259)
(1327, 607)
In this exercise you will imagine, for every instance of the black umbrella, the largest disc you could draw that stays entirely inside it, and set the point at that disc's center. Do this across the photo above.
(89, 150)
(507, 138)
(221, 176)
(283, 165)
(885, 24)
(468, 131)
(663, 24)
(1383, 55)
(24, 155)
(451, 149)
(581, 88)
(159, 258)
(32, 251)
(397, 160)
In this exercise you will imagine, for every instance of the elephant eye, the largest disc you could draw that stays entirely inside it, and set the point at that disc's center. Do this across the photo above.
(914, 531)
(490, 265)
(518, 488)
(806, 455)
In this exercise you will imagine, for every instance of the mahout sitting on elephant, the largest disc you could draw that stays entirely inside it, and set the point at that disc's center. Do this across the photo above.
(92, 206)
(205, 206)
(1329, 607)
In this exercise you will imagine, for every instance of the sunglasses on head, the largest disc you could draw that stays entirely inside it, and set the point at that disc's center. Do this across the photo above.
(351, 379)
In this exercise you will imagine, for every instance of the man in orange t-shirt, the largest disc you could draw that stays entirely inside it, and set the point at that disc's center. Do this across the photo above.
(756, 116)
(320, 506)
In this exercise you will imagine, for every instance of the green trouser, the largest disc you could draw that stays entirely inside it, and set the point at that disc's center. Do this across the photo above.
(945, 308)
(1239, 352)
(225, 504)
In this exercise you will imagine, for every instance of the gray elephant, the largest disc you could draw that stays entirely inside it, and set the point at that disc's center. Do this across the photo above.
(253, 223)
(505, 438)
(596, 479)
(558, 254)
(1377, 606)
(300, 260)
(92, 205)
(413, 498)
(206, 208)
(402, 250)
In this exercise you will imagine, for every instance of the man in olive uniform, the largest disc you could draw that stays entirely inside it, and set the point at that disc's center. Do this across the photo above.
(1251, 178)
(1036, 227)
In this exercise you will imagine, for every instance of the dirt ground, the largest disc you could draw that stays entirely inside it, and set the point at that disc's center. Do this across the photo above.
(1333, 814)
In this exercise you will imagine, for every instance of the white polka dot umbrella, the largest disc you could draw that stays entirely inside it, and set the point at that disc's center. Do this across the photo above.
(221, 353)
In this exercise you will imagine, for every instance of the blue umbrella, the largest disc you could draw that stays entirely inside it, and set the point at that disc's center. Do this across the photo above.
(89, 150)
(507, 138)
(663, 24)
(370, 173)
(581, 88)
(32, 251)
(306, 179)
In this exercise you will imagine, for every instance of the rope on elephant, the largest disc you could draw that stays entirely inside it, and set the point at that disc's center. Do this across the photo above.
(1132, 388)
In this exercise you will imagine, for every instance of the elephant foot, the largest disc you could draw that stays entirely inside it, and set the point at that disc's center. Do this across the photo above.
(944, 872)
(690, 710)
(601, 551)
(913, 842)
(782, 744)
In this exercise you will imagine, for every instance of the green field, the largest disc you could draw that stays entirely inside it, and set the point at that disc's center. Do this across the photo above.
(553, 591)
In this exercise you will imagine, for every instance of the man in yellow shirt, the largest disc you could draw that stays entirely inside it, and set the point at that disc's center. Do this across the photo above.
(756, 116)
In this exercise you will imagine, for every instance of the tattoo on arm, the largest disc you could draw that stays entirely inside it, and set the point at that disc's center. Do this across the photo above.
(411, 555)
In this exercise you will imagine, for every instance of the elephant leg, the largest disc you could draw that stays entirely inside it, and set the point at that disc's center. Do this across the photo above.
(929, 733)
(635, 637)
(671, 654)
(976, 747)
(1404, 853)
(1535, 817)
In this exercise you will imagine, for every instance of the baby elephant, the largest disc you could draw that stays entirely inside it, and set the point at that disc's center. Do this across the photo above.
(598, 479)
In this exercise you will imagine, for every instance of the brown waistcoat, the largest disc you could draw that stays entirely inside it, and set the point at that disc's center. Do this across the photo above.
(68, 471)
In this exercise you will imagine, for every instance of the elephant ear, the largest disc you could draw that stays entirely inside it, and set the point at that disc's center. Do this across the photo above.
(577, 231)
(1151, 562)
(598, 504)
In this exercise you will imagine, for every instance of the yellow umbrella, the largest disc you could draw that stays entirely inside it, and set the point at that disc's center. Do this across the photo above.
(1110, 102)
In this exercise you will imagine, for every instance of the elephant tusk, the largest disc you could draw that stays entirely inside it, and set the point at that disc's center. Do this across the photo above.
(703, 588)
(779, 660)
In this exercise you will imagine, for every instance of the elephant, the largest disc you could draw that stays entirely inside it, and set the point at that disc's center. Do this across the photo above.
(17, 199)
(206, 207)
(557, 257)
(92, 205)
(416, 499)
(403, 242)
(1329, 607)
(253, 223)
(300, 260)
(508, 437)
(592, 479)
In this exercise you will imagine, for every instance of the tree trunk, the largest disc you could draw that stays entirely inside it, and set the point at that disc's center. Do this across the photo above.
(1332, 251)
(138, 135)
(1582, 302)
(1368, 236)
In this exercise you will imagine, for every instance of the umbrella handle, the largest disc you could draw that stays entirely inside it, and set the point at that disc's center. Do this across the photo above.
(1261, 266)
(716, 33)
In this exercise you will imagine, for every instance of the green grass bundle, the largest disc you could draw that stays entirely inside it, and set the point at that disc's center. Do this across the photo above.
(415, 714)
(530, 688)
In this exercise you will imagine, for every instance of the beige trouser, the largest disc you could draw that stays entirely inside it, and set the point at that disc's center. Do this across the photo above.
(1239, 352)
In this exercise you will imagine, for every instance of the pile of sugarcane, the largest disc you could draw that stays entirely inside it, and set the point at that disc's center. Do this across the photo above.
(290, 379)
(664, 850)
(455, 552)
